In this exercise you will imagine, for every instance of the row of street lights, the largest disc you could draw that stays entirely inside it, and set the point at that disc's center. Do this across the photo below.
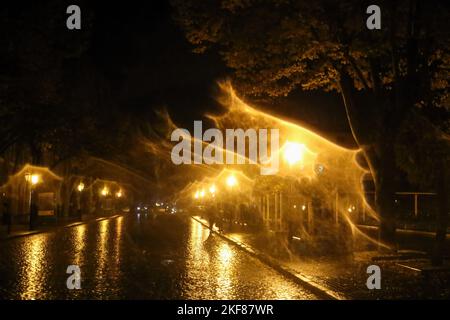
(33, 179)
(104, 191)
(231, 182)
(293, 153)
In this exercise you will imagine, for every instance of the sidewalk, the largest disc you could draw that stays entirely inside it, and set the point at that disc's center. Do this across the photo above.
(22, 230)
(405, 275)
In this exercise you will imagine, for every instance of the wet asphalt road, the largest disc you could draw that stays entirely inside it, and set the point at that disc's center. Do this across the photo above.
(131, 257)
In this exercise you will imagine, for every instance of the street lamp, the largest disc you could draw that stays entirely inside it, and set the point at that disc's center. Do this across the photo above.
(196, 194)
(32, 180)
(231, 181)
(212, 190)
(119, 194)
(293, 152)
(80, 187)
(105, 191)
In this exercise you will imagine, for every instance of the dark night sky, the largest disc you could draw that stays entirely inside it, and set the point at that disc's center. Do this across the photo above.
(147, 63)
(144, 54)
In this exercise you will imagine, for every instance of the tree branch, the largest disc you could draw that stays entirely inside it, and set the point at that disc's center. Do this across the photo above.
(374, 72)
(357, 125)
(357, 70)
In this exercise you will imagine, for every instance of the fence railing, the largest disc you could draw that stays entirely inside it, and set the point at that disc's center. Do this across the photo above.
(414, 210)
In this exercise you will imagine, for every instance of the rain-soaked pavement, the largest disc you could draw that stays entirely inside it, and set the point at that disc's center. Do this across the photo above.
(131, 257)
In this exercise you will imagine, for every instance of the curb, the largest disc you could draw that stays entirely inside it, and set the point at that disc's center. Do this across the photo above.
(301, 279)
(70, 225)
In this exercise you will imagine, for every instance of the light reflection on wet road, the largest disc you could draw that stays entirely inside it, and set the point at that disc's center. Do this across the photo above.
(137, 258)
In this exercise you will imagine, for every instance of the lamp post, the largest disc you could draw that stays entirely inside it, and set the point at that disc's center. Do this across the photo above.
(231, 183)
(104, 193)
(80, 189)
(213, 207)
(32, 180)
(118, 195)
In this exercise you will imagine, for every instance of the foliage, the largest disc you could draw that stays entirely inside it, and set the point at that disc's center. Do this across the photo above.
(280, 45)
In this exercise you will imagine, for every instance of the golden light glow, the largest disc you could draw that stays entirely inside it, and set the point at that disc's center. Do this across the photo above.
(225, 253)
(35, 264)
(196, 195)
(79, 243)
(225, 266)
(231, 181)
(119, 194)
(212, 189)
(324, 164)
(117, 245)
(34, 179)
(80, 186)
(202, 193)
(105, 191)
(103, 253)
(293, 152)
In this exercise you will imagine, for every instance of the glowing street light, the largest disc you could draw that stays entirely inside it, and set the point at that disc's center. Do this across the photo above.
(33, 179)
(80, 187)
(293, 152)
(196, 195)
(212, 190)
(119, 194)
(105, 191)
(202, 193)
(231, 181)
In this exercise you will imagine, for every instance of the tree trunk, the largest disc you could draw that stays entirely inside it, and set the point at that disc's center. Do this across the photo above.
(442, 219)
(385, 188)
(387, 227)
(379, 154)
